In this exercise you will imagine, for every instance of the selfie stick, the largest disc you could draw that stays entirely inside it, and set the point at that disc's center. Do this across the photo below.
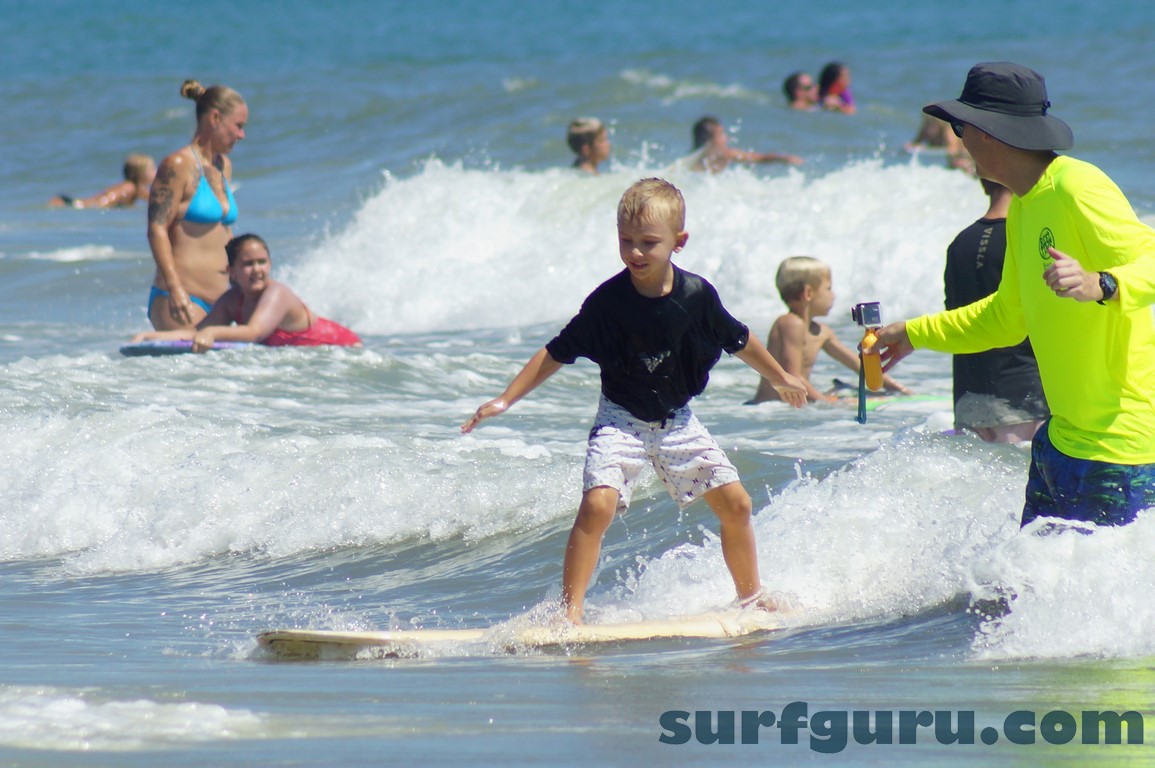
(869, 370)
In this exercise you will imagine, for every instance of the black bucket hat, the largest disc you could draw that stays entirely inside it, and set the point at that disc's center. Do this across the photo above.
(1009, 102)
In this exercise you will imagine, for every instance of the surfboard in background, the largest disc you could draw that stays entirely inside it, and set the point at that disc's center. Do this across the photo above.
(158, 348)
(879, 400)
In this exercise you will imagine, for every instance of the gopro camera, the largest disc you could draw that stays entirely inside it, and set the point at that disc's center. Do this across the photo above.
(868, 315)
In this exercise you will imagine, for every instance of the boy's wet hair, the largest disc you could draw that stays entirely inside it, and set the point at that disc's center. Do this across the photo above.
(582, 132)
(703, 131)
(135, 166)
(234, 246)
(790, 85)
(797, 272)
(651, 199)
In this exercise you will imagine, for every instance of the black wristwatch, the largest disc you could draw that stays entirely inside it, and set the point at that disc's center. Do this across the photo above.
(1108, 285)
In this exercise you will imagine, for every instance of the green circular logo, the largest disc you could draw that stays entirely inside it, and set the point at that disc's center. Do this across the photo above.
(1046, 240)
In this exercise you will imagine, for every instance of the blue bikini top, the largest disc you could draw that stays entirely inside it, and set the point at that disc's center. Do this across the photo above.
(205, 208)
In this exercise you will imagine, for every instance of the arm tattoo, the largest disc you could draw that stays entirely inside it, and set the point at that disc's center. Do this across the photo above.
(160, 203)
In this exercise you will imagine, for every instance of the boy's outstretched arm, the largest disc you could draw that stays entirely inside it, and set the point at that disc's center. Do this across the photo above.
(790, 388)
(539, 368)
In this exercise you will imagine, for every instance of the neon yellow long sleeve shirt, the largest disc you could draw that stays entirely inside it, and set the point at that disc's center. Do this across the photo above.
(1097, 362)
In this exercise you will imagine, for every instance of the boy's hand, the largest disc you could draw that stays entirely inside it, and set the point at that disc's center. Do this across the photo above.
(791, 390)
(492, 408)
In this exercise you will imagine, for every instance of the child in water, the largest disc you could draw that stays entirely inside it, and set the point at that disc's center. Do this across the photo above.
(590, 141)
(139, 173)
(806, 286)
(713, 153)
(264, 310)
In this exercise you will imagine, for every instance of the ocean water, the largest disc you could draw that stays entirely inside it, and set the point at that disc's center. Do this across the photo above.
(407, 164)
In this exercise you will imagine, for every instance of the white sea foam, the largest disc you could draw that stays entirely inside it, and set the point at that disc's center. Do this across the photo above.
(276, 475)
(94, 721)
(84, 721)
(80, 253)
(453, 249)
(1071, 592)
(672, 90)
(896, 531)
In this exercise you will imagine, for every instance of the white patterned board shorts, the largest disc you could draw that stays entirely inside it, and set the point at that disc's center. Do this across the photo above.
(688, 460)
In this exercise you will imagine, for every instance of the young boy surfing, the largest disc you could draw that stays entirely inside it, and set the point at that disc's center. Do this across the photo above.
(655, 331)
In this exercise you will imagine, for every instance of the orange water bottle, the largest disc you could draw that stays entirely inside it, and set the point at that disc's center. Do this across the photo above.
(871, 361)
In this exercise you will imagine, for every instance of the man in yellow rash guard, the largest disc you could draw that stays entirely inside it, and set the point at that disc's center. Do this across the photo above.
(1071, 235)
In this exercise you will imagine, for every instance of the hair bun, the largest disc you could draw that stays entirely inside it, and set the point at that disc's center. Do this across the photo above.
(192, 89)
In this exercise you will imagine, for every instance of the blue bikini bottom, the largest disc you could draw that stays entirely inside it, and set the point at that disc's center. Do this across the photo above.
(155, 293)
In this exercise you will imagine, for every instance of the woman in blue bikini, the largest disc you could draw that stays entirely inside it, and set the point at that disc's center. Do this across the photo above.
(191, 211)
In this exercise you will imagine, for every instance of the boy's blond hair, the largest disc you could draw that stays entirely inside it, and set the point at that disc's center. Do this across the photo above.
(135, 166)
(653, 199)
(582, 132)
(797, 272)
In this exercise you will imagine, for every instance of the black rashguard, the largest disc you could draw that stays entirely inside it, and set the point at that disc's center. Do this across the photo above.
(974, 266)
(654, 354)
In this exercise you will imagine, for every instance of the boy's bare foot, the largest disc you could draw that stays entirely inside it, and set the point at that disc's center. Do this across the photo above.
(761, 601)
(570, 614)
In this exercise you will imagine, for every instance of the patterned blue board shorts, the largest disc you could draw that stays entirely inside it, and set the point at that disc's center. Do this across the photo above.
(688, 460)
(1080, 489)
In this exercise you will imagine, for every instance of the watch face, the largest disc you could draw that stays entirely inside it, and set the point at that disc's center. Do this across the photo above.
(1107, 285)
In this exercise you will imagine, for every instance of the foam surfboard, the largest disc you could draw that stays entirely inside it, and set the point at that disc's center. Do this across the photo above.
(158, 348)
(316, 644)
(880, 400)
(882, 403)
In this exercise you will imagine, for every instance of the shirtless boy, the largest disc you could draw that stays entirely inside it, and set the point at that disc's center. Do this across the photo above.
(796, 338)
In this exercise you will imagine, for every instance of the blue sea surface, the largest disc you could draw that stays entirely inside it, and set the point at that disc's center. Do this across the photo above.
(407, 164)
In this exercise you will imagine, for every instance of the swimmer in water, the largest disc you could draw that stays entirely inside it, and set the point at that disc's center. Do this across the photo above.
(263, 310)
(139, 172)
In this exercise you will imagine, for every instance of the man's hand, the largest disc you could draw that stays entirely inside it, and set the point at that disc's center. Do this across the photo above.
(1067, 278)
(893, 344)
